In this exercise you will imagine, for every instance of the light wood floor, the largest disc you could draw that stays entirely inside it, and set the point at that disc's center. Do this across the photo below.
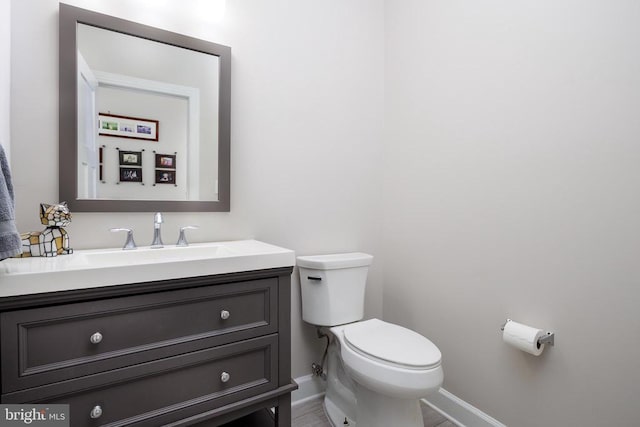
(311, 414)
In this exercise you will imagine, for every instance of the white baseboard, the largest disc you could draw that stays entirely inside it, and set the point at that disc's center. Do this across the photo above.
(452, 407)
(460, 412)
(309, 387)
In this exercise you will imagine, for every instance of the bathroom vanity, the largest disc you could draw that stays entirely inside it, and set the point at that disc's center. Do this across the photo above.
(206, 345)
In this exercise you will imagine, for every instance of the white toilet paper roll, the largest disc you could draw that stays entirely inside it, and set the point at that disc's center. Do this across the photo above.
(523, 337)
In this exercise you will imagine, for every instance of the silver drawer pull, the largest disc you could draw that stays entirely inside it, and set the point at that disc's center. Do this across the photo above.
(225, 377)
(96, 412)
(96, 338)
(224, 314)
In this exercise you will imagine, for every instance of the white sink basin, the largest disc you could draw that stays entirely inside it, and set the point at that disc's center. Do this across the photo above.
(146, 254)
(107, 267)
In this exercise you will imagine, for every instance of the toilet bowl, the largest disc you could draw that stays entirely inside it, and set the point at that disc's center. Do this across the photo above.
(377, 371)
(390, 359)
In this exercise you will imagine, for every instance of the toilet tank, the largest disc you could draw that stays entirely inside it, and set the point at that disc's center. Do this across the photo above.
(332, 287)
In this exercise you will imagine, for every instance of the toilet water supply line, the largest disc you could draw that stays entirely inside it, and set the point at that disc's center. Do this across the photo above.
(318, 370)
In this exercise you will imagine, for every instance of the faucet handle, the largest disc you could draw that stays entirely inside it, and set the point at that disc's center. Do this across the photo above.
(130, 243)
(182, 240)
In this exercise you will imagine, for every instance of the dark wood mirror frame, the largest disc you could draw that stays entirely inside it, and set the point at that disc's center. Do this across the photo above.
(68, 133)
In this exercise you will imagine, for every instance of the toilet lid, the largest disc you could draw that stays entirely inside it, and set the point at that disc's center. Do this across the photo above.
(392, 344)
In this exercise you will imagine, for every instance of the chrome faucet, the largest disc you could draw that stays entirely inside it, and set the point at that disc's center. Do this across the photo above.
(157, 238)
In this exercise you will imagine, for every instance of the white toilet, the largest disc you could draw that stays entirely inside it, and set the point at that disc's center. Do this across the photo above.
(376, 371)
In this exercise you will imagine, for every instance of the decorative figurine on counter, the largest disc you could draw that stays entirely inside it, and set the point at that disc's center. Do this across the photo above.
(53, 240)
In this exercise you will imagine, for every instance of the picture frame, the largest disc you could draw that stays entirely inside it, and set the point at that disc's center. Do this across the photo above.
(100, 163)
(165, 161)
(130, 174)
(165, 176)
(128, 127)
(130, 158)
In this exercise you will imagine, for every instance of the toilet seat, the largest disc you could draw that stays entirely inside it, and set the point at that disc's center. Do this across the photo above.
(409, 367)
(392, 345)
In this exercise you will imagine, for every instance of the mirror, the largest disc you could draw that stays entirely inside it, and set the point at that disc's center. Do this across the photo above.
(144, 117)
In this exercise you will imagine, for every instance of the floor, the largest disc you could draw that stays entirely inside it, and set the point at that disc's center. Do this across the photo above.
(311, 414)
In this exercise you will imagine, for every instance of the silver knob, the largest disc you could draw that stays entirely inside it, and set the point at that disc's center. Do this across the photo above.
(224, 314)
(96, 338)
(225, 377)
(96, 412)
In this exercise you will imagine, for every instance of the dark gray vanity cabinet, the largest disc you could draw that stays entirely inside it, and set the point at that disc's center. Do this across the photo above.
(201, 351)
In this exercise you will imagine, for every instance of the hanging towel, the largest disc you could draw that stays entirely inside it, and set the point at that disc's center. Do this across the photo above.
(10, 243)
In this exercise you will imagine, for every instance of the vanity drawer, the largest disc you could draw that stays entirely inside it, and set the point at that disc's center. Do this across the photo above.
(50, 344)
(174, 388)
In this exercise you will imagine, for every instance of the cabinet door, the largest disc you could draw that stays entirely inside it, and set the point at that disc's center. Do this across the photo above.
(49, 344)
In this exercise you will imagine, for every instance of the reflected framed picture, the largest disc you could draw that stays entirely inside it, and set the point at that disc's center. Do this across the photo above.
(165, 177)
(166, 161)
(130, 158)
(128, 127)
(130, 174)
(100, 163)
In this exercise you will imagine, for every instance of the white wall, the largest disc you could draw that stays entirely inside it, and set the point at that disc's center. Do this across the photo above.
(306, 131)
(5, 75)
(512, 191)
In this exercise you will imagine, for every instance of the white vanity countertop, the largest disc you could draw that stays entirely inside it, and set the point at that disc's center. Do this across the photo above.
(106, 267)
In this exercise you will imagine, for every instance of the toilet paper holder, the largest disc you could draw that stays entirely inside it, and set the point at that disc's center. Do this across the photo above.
(547, 339)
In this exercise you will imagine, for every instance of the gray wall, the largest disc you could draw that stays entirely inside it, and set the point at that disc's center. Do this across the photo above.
(512, 189)
(306, 130)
